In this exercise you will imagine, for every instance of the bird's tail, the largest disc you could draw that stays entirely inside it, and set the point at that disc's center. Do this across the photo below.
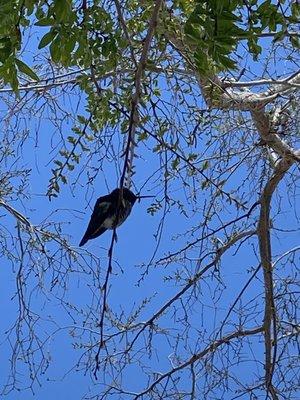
(89, 236)
(83, 241)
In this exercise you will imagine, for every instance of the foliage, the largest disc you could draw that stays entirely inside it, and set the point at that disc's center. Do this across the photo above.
(215, 29)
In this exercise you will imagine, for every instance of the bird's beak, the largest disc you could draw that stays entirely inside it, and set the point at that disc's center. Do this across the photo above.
(144, 197)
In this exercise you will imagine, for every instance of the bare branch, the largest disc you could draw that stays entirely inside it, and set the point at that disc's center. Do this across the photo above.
(290, 81)
(191, 283)
(196, 357)
(263, 232)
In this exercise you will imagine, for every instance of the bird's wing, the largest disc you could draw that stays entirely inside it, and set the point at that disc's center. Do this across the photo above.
(98, 216)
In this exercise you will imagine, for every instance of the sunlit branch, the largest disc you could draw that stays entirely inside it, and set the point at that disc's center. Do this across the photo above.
(291, 80)
(263, 231)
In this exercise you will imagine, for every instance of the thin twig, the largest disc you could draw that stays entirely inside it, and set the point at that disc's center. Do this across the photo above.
(191, 244)
(196, 357)
(104, 302)
(191, 282)
(129, 153)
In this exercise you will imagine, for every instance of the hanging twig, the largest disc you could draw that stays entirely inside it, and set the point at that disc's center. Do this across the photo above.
(128, 160)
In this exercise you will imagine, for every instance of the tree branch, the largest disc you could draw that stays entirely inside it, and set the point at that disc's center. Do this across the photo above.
(134, 117)
(196, 357)
(191, 282)
(263, 232)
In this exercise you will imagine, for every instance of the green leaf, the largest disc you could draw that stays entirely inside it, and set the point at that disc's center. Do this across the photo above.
(70, 44)
(55, 49)
(82, 119)
(89, 138)
(59, 163)
(6, 48)
(83, 147)
(64, 153)
(63, 179)
(227, 63)
(70, 167)
(204, 184)
(296, 9)
(29, 4)
(77, 130)
(295, 41)
(175, 163)
(46, 39)
(55, 187)
(71, 139)
(25, 69)
(142, 136)
(205, 165)
(62, 9)
(45, 22)
(254, 48)
(8, 72)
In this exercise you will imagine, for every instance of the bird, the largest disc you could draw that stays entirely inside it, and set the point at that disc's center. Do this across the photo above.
(110, 211)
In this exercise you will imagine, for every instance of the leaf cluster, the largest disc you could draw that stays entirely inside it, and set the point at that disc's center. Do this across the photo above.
(215, 28)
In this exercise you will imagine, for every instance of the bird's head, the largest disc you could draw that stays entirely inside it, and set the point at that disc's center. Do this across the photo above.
(128, 195)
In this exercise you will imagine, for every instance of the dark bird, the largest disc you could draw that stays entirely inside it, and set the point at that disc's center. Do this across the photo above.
(110, 211)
